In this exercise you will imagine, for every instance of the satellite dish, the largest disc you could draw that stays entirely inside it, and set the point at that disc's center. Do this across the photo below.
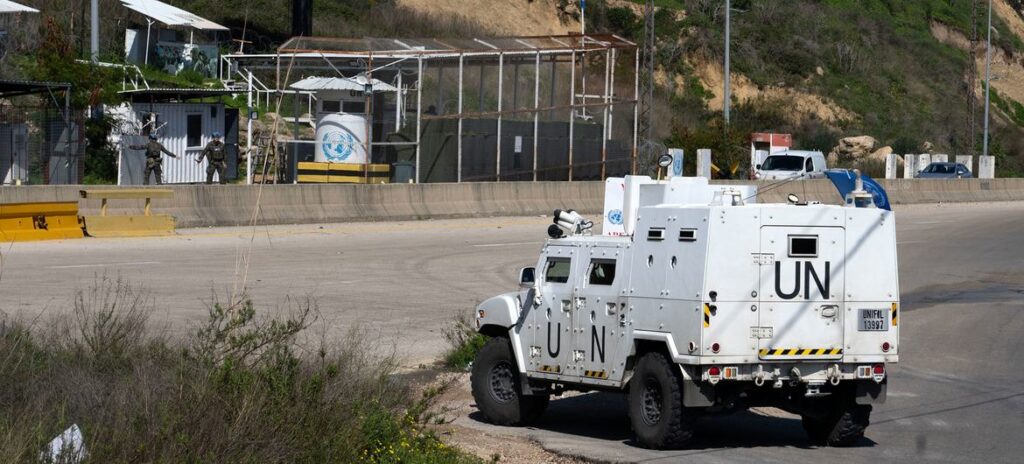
(665, 160)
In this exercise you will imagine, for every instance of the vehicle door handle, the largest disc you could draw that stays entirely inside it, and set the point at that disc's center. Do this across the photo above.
(829, 311)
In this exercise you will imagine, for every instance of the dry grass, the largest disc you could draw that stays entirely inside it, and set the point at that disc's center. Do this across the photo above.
(241, 389)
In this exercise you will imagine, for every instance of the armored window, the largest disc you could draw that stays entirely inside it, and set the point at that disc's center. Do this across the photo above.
(557, 270)
(331, 106)
(803, 246)
(194, 130)
(656, 233)
(687, 235)
(602, 272)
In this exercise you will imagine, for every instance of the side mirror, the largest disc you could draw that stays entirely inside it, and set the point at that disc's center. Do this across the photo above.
(758, 167)
(527, 277)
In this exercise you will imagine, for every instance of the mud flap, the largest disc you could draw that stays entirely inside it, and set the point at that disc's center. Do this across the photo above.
(697, 395)
(871, 392)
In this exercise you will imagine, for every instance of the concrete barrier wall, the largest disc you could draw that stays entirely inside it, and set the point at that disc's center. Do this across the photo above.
(201, 205)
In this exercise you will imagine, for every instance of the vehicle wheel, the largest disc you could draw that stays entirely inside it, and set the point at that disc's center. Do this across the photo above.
(843, 427)
(497, 389)
(656, 404)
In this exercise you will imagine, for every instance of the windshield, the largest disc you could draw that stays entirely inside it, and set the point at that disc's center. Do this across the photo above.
(783, 163)
(939, 169)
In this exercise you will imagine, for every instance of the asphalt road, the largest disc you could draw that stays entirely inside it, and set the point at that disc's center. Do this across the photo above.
(956, 396)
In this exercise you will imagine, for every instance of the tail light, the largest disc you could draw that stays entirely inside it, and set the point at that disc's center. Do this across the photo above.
(885, 347)
(714, 374)
(715, 347)
(878, 372)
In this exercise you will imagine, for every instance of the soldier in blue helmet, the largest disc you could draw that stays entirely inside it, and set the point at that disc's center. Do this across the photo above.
(154, 163)
(217, 154)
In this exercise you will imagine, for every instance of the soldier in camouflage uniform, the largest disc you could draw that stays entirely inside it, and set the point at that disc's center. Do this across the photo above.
(154, 163)
(217, 154)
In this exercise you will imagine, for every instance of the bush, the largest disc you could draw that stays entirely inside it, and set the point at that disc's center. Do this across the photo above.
(240, 389)
(463, 340)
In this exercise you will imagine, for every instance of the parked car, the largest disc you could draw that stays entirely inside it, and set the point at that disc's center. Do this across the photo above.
(944, 171)
(790, 164)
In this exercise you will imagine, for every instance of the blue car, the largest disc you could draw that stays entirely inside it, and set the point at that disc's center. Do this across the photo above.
(944, 171)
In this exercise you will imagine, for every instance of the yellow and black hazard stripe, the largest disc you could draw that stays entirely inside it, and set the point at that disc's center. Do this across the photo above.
(707, 315)
(895, 315)
(596, 374)
(801, 351)
(552, 369)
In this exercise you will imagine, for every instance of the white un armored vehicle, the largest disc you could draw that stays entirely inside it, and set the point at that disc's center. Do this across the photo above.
(699, 300)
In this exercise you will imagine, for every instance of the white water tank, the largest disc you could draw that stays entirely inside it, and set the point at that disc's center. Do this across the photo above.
(340, 139)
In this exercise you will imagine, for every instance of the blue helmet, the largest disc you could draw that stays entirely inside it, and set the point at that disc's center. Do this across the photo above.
(152, 136)
(216, 134)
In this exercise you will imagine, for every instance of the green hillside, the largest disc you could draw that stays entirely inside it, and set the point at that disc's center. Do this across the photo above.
(876, 60)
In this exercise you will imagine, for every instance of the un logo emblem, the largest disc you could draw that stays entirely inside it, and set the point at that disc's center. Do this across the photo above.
(338, 146)
(615, 216)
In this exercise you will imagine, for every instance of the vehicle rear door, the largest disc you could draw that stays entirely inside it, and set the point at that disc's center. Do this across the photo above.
(801, 295)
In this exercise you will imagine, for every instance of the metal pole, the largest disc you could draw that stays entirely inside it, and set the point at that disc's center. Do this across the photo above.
(458, 175)
(149, 32)
(419, 112)
(501, 84)
(611, 93)
(398, 101)
(607, 103)
(368, 114)
(727, 101)
(95, 31)
(248, 134)
(636, 111)
(988, 79)
(583, 18)
(536, 112)
(572, 108)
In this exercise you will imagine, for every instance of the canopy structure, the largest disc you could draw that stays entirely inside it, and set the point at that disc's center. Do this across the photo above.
(14, 88)
(7, 6)
(357, 83)
(170, 15)
(379, 48)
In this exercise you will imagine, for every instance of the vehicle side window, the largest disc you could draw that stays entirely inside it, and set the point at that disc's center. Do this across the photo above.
(557, 270)
(809, 165)
(602, 272)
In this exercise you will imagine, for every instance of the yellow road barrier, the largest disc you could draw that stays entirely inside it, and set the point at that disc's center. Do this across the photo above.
(21, 222)
(130, 225)
(343, 173)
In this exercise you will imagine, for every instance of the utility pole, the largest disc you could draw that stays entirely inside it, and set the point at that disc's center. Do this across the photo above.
(972, 80)
(95, 31)
(727, 97)
(645, 132)
(988, 79)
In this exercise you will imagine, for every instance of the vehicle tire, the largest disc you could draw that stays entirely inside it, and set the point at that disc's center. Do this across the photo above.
(843, 427)
(497, 389)
(656, 411)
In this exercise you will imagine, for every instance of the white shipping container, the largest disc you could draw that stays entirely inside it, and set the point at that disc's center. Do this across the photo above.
(184, 129)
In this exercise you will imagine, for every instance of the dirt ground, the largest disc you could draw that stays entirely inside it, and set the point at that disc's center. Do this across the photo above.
(457, 402)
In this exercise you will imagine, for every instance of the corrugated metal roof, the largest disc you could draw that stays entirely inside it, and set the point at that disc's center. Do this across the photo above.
(7, 6)
(171, 15)
(341, 83)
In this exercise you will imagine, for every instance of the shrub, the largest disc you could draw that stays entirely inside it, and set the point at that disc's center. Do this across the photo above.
(463, 340)
(242, 388)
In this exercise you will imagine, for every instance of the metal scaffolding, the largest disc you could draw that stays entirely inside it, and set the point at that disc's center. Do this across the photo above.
(553, 123)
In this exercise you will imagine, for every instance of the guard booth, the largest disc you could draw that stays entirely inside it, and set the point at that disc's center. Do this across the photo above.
(183, 124)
